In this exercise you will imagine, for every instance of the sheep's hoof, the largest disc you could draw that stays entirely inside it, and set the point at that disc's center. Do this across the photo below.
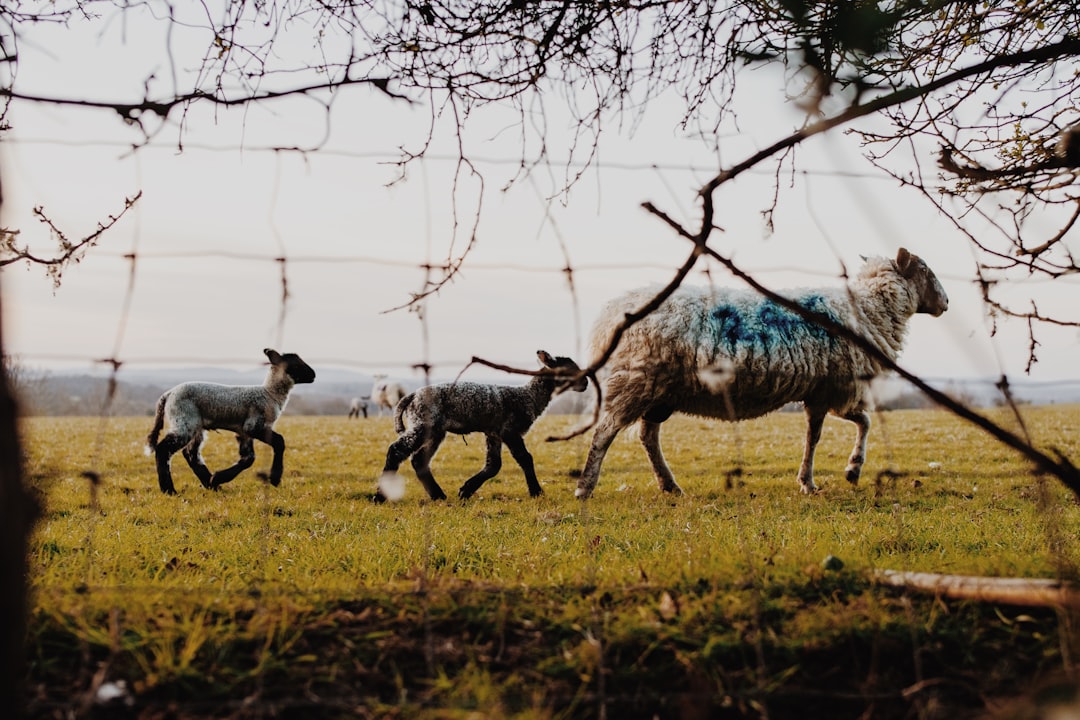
(852, 474)
(378, 498)
(810, 489)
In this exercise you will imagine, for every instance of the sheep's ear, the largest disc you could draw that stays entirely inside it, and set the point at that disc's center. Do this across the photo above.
(272, 355)
(546, 359)
(906, 262)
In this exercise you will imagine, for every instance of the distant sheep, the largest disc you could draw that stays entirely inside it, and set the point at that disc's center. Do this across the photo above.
(250, 411)
(356, 407)
(734, 355)
(386, 393)
(503, 413)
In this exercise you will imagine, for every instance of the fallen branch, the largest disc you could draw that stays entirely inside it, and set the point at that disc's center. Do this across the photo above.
(1032, 592)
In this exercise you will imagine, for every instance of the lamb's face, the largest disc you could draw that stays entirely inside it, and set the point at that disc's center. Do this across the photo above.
(564, 363)
(297, 369)
(291, 364)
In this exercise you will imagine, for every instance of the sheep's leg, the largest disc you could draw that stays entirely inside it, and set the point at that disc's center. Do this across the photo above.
(193, 455)
(606, 430)
(247, 458)
(650, 438)
(815, 419)
(861, 418)
(520, 453)
(397, 453)
(421, 462)
(277, 465)
(166, 448)
(491, 468)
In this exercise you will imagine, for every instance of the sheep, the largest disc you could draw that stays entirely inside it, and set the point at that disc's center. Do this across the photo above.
(250, 411)
(735, 355)
(503, 413)
(357, 406)
(386, 393)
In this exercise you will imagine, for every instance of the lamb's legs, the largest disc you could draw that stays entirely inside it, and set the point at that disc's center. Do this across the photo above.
(491, 468)
(421, 462)
(815, 418)
(247, 459)
(650, 438)
(168, 446)
(277, 465)
(195, 461)
(396, 454)
(525, 460)
(861, 418)
(606, 430)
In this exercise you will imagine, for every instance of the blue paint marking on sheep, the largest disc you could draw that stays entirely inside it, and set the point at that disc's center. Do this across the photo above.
(765, 325)
(733, 355)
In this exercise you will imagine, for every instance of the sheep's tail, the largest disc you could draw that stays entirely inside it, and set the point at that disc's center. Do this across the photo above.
(159, 422)
(399, 410)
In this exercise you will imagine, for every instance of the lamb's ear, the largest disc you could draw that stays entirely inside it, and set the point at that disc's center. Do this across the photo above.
(545, 359)
(905, 261)
(272, 355)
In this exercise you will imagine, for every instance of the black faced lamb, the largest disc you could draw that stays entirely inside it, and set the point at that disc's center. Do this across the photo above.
(503, 413)
(250, 411)
(735, 354)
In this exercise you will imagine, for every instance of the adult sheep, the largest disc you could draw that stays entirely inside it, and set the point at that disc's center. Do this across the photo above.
(386, 393)
(250, 411)
(735, 355)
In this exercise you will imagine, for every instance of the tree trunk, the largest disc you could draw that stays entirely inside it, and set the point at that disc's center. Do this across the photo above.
(18, 512)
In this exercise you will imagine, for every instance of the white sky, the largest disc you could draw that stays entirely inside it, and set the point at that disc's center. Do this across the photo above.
(192, 303)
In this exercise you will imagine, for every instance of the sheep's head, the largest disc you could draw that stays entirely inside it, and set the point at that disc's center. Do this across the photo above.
(566, 368)
(291, 364)
(932, 297)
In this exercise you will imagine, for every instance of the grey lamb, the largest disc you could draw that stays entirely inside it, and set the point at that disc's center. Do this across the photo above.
(734, 355)
(250, 411)
(503, 413)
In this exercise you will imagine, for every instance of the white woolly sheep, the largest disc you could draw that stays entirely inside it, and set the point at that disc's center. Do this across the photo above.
(386, 393)
(250, 411)
(503, 413)
(358, 406)
(734, 355)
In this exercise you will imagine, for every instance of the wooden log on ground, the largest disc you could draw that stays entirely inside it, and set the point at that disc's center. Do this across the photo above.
(1031, 592)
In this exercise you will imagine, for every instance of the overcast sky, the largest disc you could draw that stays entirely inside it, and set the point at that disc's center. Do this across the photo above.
(205, 288)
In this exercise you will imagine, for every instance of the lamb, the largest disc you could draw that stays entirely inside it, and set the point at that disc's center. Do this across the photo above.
(357, 406)
(250, 411)
(503, 413)
(735, 355)
(386, 393)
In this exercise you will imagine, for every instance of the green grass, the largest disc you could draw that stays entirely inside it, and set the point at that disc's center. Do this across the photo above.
(308, 598)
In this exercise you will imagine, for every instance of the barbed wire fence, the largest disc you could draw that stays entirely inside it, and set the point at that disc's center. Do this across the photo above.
(428, 364)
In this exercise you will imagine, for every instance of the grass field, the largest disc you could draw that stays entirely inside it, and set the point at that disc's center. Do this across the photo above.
(308, 600)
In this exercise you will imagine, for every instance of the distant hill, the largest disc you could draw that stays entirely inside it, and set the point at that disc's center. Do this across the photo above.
(137, 390)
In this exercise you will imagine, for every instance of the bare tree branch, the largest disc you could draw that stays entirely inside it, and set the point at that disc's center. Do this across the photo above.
(68, 251)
